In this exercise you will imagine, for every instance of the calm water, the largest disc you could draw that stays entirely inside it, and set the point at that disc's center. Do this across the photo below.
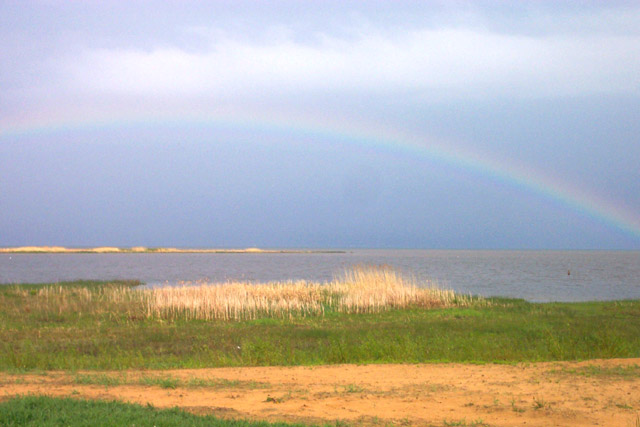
(533, 275)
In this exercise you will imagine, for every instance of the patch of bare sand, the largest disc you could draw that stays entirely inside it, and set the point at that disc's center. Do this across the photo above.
(35, 249)
(136, 249)
(541, 394)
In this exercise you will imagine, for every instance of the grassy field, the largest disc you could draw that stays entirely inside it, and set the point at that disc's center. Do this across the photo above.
(46, 411)
(365, 317)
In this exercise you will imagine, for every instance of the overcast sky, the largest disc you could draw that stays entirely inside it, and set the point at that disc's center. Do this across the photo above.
(436, 124)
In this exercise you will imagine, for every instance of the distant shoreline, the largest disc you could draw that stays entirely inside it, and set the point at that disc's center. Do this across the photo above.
(142, 250)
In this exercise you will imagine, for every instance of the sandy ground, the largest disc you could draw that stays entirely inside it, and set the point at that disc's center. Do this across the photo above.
(542, 394)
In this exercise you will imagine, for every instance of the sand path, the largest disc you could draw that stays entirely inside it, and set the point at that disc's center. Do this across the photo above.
(541, 394)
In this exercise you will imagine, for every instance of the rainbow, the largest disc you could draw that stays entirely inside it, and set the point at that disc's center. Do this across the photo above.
(369, 136)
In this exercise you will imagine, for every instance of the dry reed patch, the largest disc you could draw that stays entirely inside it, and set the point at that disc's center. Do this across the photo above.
(235, 301)
(365, 289)
(359, 290)
(59, 300)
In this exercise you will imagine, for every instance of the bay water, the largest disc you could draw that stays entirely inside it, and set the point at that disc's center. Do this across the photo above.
(539, 276)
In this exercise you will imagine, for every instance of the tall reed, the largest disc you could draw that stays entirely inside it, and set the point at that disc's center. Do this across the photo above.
(358, 290)
(62, 300)
(235, 300)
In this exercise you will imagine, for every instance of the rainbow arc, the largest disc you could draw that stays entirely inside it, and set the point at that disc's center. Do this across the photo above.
(371, 136)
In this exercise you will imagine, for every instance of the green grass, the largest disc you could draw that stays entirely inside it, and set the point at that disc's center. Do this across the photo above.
(100, 336)
(164, 381)
(173, 382)
(100, 379)
(630, 372)
(463, 423)
(47, 411)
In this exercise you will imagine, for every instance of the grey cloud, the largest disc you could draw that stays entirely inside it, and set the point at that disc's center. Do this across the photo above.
(460, 62)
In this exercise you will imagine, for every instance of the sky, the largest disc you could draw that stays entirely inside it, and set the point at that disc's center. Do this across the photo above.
(328, 124)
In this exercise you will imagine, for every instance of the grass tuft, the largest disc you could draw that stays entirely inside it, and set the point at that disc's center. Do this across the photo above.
(629, 372)
(48, 412)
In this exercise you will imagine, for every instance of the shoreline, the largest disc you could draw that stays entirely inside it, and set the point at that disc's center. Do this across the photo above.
(145, 250)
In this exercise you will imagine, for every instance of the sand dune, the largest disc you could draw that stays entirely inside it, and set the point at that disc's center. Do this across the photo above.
(135, 249)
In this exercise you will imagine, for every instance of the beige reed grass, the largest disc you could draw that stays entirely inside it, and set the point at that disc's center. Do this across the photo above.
(359, 290)
(59, 299)
(235, 301)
